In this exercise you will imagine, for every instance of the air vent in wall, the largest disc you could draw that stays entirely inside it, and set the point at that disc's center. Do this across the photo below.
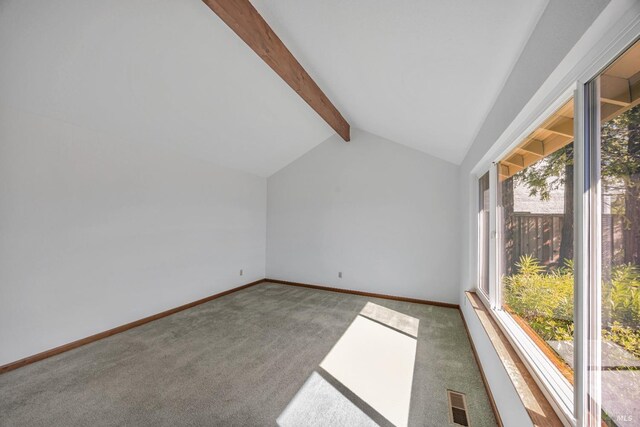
(457, 409)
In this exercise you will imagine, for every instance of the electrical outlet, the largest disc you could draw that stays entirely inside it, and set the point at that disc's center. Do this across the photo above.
(241, 272)
(340, 274)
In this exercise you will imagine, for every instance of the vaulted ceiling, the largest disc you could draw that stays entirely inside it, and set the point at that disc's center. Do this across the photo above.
(171, 73)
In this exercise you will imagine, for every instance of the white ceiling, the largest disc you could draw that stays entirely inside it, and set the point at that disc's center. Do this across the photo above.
(170, 73)
(161, 72)
(420, 73)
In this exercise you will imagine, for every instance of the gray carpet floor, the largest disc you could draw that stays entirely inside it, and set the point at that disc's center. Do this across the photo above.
(239, 361)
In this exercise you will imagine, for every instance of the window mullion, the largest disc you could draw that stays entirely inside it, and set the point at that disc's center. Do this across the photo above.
(494, 239)
(587, 259)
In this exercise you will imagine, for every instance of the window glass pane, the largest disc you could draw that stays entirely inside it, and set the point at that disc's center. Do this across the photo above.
(483, 235)
(620, 234)
(536, 206)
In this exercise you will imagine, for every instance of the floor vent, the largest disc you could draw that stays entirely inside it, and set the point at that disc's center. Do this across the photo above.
(457, 409)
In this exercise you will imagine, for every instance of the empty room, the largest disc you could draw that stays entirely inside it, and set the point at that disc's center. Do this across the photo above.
(331, 213)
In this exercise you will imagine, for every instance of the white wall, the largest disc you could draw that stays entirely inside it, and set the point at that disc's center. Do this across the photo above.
(383, 214)
(96, 232)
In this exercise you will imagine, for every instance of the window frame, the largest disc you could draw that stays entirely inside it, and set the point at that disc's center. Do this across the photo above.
(552, 383)
(486, 257)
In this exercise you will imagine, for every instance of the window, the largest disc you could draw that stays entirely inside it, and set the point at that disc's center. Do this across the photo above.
(535, 196)
(573, 187)
(619, 173)
(483, 233)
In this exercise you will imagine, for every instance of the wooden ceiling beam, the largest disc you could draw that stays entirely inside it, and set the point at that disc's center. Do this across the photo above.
(563, 126)
(555, 133)
(248, 24)
(615, 90)
(503, 172)
(515, 160)
(615, 102)
(535, 147)
(611, 108)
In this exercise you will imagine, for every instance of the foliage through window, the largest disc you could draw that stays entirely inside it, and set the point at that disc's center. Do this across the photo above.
(536, 197)
(619, 88)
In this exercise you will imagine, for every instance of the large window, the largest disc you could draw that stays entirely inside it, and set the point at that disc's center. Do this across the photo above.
(619, 173)
(567, 283)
